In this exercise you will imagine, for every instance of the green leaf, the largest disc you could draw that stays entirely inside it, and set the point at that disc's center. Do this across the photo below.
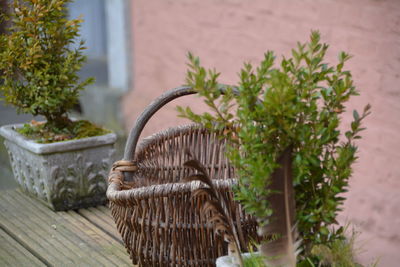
(356, 116)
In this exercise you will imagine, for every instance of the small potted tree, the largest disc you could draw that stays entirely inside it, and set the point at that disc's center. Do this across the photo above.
(292, 159)
(61, 161)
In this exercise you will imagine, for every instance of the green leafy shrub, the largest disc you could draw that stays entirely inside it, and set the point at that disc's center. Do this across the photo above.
(298, 103)
(37, 62)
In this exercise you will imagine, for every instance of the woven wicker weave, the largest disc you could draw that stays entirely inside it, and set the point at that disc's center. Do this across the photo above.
(158, 220)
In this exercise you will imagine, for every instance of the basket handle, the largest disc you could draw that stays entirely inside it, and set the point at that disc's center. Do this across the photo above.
(154, 106)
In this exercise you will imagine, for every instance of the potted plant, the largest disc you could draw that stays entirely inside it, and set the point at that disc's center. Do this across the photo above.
(292, 158)
(61, 161)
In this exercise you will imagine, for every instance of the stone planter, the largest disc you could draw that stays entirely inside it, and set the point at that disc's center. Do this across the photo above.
(64, 175)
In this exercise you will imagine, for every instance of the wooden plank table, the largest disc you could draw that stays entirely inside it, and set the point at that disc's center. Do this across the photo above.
(33, 235)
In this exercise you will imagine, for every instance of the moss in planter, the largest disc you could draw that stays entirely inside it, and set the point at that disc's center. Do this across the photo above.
(41, 133)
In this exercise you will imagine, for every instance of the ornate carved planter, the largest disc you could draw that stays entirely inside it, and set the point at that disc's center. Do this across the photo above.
(64, 175)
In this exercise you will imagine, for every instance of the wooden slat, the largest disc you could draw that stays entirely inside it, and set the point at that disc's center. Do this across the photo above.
(26, 232)
(106, 212)
(108, 250)
(43, 234)
(108, 244)
(60, 238)
(14, 254)
(101, 216)
(101, 220)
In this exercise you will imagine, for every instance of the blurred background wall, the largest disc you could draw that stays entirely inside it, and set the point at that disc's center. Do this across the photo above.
(226, 33)
(137, 50)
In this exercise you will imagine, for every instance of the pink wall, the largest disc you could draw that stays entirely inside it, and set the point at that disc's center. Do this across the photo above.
(226, 33)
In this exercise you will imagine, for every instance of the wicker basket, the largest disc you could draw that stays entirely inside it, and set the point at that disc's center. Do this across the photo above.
(160, 223)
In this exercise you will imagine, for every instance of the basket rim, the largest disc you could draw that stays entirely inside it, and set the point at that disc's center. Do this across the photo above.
(115, 192)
